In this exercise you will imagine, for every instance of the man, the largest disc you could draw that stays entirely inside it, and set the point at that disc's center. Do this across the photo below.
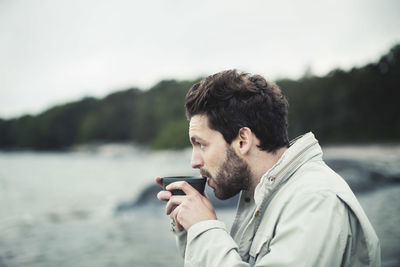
(293, 209)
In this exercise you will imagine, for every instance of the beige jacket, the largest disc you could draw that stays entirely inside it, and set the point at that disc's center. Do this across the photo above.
(302, 214)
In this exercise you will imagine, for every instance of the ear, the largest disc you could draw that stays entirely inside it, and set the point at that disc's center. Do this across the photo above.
(244, 141)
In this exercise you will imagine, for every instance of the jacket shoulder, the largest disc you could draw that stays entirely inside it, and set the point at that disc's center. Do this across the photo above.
(316, 176)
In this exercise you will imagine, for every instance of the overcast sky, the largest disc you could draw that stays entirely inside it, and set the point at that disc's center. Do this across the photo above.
(54, 51)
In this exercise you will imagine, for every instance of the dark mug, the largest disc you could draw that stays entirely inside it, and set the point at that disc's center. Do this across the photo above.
(198, 183)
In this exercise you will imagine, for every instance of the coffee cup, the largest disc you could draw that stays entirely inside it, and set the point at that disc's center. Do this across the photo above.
(198, 183)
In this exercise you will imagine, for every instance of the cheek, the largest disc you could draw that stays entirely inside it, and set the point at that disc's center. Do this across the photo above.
(214, 160)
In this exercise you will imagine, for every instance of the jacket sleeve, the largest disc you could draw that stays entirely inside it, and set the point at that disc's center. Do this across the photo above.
(209, 244)
(309, 233)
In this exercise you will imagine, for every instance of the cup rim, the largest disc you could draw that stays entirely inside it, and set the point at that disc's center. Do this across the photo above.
(189, 179)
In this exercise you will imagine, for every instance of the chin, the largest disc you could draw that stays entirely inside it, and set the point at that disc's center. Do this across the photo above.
(224, 195)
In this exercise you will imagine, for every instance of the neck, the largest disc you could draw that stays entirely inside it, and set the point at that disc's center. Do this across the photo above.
(261, 162)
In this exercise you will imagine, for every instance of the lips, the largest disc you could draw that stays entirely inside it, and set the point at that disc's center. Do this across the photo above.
(206, 174)
(210, 182)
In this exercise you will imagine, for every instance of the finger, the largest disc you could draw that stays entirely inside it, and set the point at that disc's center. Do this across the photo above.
(164, 195)
(158, 180)
(180, 227)
(173, 202)
(174, 216)
(182, 185)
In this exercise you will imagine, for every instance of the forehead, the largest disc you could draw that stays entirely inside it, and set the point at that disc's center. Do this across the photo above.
(199, 129)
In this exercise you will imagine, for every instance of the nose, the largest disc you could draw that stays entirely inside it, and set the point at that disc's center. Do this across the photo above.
(197, 160)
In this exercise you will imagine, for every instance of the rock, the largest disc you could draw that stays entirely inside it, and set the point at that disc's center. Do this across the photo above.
(148, 199)
(362, 175)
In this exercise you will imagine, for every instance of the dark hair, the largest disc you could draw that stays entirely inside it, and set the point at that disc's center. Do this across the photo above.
(233, 100)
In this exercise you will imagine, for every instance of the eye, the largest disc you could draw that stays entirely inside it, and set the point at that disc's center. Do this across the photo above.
(200, 145)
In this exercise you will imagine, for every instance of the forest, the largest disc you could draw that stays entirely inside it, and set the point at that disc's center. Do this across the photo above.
(354, 106)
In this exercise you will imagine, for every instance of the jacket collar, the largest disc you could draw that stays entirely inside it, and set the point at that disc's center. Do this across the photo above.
(301, 150)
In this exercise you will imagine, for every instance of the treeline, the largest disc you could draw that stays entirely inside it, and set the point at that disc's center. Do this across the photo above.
(359, 105)
(155, 117)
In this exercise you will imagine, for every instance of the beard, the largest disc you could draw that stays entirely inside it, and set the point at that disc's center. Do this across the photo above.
(232, 176)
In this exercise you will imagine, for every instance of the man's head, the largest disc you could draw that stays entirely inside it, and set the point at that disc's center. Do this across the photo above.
(227, 108)
(233, 100)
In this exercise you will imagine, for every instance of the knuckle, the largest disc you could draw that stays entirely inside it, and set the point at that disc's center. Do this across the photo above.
(193, 198)
(185, 185)
(184, 206)
(179, 217)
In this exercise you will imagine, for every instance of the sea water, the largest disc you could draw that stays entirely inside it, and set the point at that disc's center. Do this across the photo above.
(58, 209)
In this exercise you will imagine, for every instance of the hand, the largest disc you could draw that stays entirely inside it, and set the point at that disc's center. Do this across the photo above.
(188, 209)
(165, 196)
